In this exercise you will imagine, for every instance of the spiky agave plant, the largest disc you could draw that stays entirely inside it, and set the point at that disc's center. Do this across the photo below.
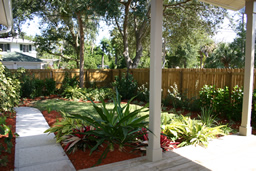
(118, 125)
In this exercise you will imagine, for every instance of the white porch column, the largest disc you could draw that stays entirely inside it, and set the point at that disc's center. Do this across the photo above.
(245, 128)
(154, 151)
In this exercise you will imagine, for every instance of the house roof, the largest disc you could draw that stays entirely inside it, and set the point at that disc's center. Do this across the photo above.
(15, 40)
(19, 57)
(228, 4)
(6, 15)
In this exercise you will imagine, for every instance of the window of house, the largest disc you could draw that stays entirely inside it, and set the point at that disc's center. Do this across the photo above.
(25, 48)
(5, 47)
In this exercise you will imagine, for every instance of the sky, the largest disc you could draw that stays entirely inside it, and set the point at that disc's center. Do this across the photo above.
(225, 34)
(32, 28)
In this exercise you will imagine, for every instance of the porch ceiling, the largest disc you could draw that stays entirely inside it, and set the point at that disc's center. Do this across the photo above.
(228, 4)
(6, 15)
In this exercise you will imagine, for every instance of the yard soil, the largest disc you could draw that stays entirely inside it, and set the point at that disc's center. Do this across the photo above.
(11, 121)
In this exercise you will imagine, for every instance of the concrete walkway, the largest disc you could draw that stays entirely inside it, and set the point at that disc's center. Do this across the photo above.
(39, 152)
(35, 150)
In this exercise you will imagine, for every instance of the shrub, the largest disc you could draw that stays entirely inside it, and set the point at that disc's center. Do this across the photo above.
(179, 100)
(114, 126)
(254, 109)
(74, 93)
(78, 140)
(190, 131)
(9, 98)
(32, 87)
(96, 93)
(207, 116)
(49, 86)
(223, 103)
(237, 103)
(165, 143)
(69, 82)
(127, 86)
(9, 92)
(38, 88)
(143, 92)
(175, 96)
(166, 118)
(27, 86)
(65, 127)
(5, 130)
(93, 93)
(207, 95)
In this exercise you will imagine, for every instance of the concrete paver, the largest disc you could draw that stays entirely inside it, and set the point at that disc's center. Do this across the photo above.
(35, 150)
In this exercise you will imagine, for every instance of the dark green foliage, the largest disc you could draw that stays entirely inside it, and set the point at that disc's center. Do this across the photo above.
(93, 93)
(223, 103)
(68, 81)
(237, 102)
(206, 96)
(38, 88)
(74, 93)
(9, 98)
(5, 130)
(32, 87)
(127, 86)
(50, 86)
(178, 100)
(9, 91)
(254, 109)
(96, 93)
(27, 86)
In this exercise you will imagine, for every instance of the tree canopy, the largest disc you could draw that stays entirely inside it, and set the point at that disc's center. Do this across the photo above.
(69, 30)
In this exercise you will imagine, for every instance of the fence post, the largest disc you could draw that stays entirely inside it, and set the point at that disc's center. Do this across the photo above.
(181, 81)
(229, 81)
(86, 78)
(111, 77)
(119, 74)
(51, 74)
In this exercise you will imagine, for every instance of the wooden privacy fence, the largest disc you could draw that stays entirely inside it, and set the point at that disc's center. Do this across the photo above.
(189, 81)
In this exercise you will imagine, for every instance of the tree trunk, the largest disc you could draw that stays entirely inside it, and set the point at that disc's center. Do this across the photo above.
(115, 57)
(102, 61)
(81, 76)
(139, 50)
(125, 36)
(163, 53)
(185, 63)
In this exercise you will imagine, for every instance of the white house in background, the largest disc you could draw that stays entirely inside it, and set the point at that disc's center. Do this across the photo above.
(17, 53)
(24, 46)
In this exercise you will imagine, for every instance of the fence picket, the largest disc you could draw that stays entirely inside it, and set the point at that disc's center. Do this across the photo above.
(188, 81)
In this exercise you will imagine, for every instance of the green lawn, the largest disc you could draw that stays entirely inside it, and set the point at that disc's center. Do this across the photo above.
(74, 107)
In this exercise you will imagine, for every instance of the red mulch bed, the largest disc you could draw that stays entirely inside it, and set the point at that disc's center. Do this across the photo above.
(82, 159)
(12, 122)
